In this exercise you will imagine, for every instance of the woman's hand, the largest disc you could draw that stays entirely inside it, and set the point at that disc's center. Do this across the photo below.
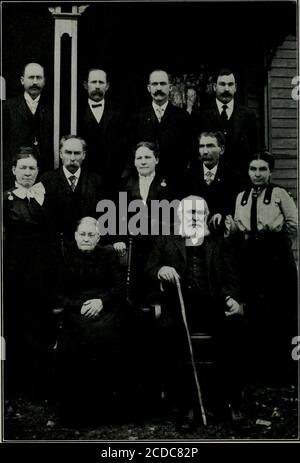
(91, 308)
(234, 308)
(120, 248)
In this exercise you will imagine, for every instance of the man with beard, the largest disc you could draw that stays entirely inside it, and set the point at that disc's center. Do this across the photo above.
(103, 128)
(237, 122)
(209, 177)
(170, 127)
(206, 267)
(71, 191)
(28, 121)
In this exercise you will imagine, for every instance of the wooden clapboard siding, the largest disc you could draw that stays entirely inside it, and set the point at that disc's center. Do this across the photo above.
(282, 114)
(284, 63)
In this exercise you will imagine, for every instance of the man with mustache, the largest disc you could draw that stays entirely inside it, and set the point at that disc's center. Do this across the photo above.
(28, 121)
(170, 127)
(209, 177)
(208, 270)
(103, 127)
(72, 192)
(238, 123)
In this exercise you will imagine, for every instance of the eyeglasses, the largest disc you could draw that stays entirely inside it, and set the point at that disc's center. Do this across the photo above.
(89, 235)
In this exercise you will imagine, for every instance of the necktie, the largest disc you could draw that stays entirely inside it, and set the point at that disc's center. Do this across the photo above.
(73, 182)
(97, 105)
(253, 213)
(209, 177)
(224, 116)
(159, 113)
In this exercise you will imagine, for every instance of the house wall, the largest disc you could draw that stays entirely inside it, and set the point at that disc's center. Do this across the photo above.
(283, 115)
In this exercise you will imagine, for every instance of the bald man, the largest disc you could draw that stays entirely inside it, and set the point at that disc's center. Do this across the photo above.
(170, 127)
(28, 121)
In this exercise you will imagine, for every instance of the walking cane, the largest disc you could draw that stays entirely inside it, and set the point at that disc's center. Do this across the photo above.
(183, 313)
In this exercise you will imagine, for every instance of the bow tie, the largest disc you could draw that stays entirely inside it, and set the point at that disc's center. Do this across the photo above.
(37, 192)
(97, 105)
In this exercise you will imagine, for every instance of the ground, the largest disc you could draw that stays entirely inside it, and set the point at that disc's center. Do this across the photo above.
(270, 413)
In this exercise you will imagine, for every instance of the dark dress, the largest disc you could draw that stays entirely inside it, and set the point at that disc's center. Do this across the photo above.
(270, 276)
(89, 350)
(140, 244)
(27, 284)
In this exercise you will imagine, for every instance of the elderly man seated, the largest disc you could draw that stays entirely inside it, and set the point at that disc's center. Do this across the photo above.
(208, 272)
(89, 348)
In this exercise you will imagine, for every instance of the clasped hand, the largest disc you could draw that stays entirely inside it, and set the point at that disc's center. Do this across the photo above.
(91, 308)
(169, 274)
(234, 308)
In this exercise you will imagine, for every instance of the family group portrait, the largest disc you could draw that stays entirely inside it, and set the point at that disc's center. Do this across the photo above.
(149, 188)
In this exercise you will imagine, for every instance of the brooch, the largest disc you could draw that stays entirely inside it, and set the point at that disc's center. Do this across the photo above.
(10, 197)
(163, 183)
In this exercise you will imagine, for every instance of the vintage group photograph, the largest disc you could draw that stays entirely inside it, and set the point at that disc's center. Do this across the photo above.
(149, 188)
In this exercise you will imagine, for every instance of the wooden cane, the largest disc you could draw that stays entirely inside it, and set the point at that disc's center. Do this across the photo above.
(183, 312)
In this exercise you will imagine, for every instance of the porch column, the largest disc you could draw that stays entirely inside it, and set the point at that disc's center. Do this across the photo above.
(65, 23)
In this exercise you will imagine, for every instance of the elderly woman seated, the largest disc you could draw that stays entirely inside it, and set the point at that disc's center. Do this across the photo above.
(89, 346)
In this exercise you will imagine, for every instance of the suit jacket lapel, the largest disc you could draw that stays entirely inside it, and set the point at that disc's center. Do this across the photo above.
(134, 187)
(23, 109)
(151, 116)
(154, 189)
(168, 114)
(64, 182)
(238, 116)
(209, 248)
(89, 117)
(179, 243)
(106, 117)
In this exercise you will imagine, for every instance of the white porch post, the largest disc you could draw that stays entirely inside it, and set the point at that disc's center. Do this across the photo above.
(65, 23)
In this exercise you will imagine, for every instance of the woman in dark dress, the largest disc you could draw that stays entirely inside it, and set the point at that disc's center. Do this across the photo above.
(143, 186)
(27, 281)
(266, 221)
(90, 347)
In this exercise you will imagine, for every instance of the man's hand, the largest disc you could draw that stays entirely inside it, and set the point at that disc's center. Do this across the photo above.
(234, 308)
(91, 308)
(169, 274)
(120, 248)
(216, 220)
(229, 225)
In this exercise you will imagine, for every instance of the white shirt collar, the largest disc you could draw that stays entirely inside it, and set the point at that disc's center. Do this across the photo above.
(30, 100)
(229, 105)
(213, 170)
(144, 184)
(92, 102)
(147, 178)
(68, 174)
(161, 108)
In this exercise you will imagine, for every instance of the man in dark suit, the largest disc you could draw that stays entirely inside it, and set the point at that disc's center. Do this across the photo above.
(71, 192)
(170, 127)
(28, 121)
(237, 122)
(208, 272)
(103, 128)
(209, 177)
